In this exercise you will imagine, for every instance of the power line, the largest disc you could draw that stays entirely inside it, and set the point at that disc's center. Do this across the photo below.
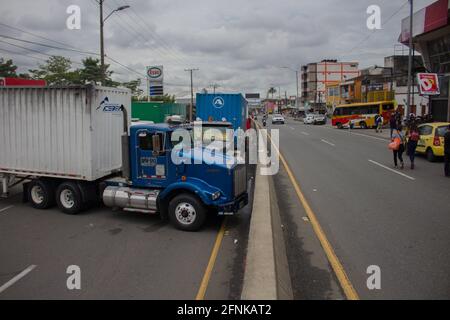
(154, 35)
(48, 46)
(373, 31)
(21, 54)
(35, 35)
(141, 35)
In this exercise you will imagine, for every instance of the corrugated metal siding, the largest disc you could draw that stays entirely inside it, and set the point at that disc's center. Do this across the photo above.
(156, 112)
(234, 109)
(59, 131)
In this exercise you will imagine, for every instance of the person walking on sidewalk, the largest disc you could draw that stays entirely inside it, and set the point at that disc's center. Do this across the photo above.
(398, 147)
(413, 136)
(447, 152)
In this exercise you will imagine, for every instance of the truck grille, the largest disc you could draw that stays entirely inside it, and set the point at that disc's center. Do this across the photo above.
(240, 180)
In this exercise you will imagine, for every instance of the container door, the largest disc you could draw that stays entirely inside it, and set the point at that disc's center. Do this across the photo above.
(151, 164)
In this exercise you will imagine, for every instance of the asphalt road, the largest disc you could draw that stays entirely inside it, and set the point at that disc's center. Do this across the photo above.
(371, 213)
(122, 255)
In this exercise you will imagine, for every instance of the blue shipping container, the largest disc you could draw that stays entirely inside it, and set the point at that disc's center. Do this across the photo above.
(216, 107)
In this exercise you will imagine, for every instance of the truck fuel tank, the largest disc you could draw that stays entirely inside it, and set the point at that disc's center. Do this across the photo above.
(131, 199)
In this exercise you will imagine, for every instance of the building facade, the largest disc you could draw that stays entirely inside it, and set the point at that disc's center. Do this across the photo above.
(431, 37)
(315, 77)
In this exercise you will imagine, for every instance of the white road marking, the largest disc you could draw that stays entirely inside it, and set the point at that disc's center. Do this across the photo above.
(4, 209)
(392, 170)
(368, 136)
(291, 128)
(17, 278)
(305, 133)
(328, 142)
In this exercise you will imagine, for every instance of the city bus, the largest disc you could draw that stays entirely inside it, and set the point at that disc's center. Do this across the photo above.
(362, 115)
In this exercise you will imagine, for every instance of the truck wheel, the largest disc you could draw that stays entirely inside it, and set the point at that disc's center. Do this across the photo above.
(41, 194)
(68, 197)
(186, 212)
(363, 125)
(339, 125)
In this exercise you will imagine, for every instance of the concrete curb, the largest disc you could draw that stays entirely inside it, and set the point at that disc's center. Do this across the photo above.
(260, 274)
(266, 271)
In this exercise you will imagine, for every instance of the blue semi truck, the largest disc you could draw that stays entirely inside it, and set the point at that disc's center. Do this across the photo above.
(79, 149)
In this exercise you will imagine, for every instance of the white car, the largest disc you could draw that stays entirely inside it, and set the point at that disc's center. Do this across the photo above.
(308, 119)
(277, 118)
(314, 119)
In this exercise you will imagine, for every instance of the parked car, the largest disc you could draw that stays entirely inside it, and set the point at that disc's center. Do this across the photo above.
(431, 141)
(319, 119)
(308, 119)
(277, 118)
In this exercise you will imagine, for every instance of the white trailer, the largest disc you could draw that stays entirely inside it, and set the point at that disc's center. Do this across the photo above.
(66, 133)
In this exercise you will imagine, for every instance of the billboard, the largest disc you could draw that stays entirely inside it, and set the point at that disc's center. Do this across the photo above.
(428, 84)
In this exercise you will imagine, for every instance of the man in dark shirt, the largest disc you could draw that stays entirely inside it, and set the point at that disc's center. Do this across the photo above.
(447, 152)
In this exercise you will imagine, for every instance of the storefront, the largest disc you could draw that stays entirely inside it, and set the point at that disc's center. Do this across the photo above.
(431, 37)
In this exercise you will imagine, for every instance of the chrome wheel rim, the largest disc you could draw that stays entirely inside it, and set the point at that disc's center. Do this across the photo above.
(37, 194)
(67, 199)
(185, 213)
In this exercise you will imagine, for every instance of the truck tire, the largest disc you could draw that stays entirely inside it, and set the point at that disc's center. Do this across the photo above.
(41, 194)
(68, 198)
(187, 212)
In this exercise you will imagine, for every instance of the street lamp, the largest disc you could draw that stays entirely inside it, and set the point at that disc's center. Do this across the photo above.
(102, 47)
(296, 79)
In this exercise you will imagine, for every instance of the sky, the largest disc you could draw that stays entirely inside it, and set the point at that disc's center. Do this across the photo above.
(240, 45)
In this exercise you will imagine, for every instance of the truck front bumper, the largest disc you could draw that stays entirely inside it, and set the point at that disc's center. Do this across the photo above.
(235, 206)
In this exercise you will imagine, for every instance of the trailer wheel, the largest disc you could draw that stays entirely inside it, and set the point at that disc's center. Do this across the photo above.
(41, 194)
(68, 197)
(186, 212)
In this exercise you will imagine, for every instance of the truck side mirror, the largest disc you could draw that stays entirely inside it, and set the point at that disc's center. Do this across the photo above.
(156, 143)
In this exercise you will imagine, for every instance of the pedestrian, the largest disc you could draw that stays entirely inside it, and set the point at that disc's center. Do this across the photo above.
(447, 152)
(398, 147)
(376, 122)
(392, 124)
(380, 123)
(413, 136)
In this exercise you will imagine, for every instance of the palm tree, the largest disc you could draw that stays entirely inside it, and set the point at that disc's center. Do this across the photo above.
(271, 91)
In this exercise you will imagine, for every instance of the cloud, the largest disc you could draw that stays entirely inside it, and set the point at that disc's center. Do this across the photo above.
(240, 45)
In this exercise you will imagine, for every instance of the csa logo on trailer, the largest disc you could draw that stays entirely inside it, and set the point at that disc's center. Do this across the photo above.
(109, 107)
(218, 102)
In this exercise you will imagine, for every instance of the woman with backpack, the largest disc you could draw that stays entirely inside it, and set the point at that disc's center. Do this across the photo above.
(413, 138)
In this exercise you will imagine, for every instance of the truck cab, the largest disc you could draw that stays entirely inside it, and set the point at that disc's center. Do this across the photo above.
(186, 191)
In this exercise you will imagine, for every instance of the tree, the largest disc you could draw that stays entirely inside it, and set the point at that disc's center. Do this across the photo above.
(92, 72)
(134, 86)
(7, 68)
(271, 91)
(56, 71)
(165, 98)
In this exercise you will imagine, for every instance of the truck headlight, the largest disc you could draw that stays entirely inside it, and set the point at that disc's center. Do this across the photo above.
(215, 195)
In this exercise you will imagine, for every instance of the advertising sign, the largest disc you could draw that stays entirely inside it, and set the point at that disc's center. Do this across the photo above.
(428, 84)
(155, 76)
(155, 73)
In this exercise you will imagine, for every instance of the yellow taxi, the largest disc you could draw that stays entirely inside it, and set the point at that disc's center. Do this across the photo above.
(431, 141)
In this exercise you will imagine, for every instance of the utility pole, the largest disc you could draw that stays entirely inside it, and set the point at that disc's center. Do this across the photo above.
(408, 96)
(191, 71)
(102, 45)
(214, 86)
(296, 95)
